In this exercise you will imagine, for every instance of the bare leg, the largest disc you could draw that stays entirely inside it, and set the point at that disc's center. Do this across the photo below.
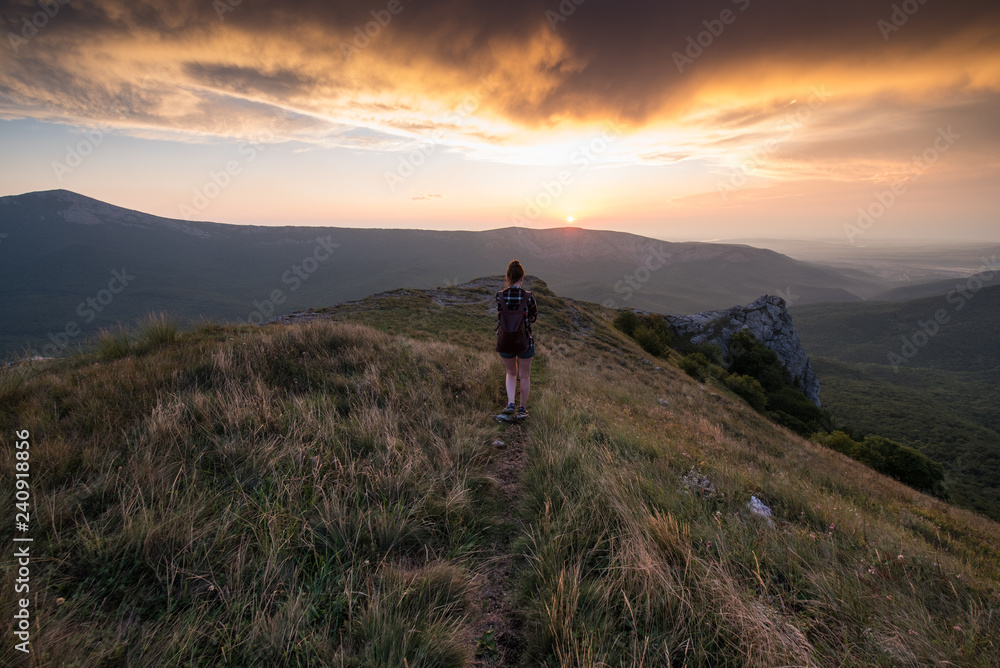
(524, 370)
(510, 365)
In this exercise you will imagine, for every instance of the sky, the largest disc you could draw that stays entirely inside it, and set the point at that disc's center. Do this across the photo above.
(858, 120)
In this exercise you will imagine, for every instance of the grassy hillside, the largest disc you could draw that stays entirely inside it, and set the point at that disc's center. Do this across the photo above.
(336, 492)
(60, 250)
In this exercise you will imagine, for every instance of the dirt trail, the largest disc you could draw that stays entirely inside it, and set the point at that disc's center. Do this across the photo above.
(497, 578)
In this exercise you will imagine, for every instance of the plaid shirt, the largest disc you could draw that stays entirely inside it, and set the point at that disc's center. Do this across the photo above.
(513, 298)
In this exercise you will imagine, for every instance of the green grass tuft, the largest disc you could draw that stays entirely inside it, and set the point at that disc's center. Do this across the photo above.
(157, 330)
(113, 344)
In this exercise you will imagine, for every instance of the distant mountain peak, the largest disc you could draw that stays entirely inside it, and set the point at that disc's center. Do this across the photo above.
(82, 210)
(57, 194)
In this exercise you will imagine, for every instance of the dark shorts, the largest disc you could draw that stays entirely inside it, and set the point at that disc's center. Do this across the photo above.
(526, 355)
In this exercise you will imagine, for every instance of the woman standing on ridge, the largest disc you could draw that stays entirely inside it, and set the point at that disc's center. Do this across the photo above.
(516, 310)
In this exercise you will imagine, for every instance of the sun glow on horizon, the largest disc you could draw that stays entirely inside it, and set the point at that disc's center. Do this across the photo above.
(527, 126)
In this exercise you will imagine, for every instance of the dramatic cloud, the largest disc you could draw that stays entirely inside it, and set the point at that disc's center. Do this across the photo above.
(781, 89)
(524, 65)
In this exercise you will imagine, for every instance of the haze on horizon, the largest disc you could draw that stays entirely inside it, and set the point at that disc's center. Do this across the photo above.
(745, 118)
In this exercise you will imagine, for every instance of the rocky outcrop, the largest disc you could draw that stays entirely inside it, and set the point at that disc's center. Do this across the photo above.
(768, 319)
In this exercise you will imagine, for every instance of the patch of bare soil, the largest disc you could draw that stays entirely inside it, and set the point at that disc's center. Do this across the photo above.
(496, 580)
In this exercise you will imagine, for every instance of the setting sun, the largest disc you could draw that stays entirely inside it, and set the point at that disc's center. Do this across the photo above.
(762, 135)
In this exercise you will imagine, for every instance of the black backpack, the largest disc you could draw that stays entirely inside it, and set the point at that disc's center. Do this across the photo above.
(512, 328)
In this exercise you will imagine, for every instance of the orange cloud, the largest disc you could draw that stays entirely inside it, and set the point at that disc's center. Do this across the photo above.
(501, 83)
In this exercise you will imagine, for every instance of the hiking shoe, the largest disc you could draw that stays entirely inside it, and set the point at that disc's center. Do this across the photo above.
(508, 410)
(522, 412)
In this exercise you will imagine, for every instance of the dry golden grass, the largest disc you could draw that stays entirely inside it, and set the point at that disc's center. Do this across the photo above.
(327, 494)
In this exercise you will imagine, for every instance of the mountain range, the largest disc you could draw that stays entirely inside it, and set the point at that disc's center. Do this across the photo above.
(72, 265)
